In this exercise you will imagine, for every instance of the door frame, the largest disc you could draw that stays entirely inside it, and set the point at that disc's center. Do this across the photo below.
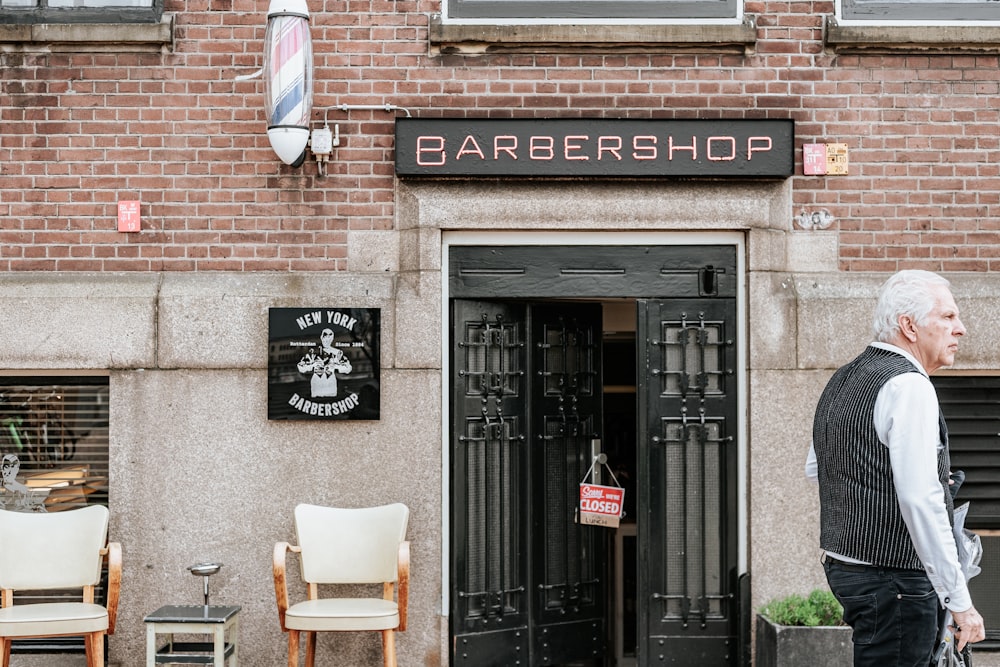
(618, 238)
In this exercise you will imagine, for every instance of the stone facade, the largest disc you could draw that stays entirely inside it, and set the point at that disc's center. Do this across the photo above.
(197, 471)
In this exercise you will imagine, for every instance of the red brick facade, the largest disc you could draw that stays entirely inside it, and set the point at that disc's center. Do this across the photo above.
(85, 128)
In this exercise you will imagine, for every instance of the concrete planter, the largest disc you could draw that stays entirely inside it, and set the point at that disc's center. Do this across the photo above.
(794, 646)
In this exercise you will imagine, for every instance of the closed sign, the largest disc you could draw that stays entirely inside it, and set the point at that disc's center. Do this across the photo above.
(601, 505)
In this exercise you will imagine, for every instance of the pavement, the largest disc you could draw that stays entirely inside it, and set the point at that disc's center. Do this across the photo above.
(985, 658)
(979, 659)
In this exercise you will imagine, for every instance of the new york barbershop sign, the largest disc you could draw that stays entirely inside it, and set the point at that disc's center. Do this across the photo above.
(601, 147)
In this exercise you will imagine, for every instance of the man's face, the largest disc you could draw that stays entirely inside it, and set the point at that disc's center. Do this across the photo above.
(937, 338)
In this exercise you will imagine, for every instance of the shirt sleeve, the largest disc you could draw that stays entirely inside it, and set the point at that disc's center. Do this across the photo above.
(906, 419)
(812, 467)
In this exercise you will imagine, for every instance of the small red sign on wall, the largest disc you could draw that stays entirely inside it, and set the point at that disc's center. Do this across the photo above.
(814, 159)
(128, 216)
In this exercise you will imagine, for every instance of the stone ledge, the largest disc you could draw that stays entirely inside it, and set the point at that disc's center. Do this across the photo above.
(488, 37)
(626, 205)
(77, 321)
(85, 320)
(76, 36)
(847, 38)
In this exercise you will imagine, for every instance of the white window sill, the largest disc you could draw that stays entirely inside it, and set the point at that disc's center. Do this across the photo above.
(89, 36)
(486, 37)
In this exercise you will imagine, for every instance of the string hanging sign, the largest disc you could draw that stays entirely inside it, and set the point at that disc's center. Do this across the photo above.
(600, 505)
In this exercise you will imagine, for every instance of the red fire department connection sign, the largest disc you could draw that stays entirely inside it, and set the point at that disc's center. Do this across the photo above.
(595, 147)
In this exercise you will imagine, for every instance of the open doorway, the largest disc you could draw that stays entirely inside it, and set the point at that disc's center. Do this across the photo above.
(558, 354)
(620, 412)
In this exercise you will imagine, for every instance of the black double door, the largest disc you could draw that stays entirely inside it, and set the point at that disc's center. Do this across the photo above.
(529, 584)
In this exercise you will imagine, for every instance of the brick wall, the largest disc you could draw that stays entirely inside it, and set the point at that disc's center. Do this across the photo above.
(82, 130)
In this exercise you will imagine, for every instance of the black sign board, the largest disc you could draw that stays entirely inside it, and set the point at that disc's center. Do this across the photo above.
(323, 363)
(595, 147)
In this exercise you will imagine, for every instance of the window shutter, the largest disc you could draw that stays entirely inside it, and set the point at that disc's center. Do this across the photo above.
(57, 427)
(971, 406)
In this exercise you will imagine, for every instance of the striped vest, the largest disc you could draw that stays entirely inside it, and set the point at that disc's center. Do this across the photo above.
(859, 510)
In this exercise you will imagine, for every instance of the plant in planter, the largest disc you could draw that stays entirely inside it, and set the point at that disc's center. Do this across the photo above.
(798, 630)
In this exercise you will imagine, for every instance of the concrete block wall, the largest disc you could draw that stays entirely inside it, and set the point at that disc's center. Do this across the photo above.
(199, 473)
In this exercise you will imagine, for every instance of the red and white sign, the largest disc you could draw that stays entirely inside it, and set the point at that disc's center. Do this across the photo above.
(814, 159)
(128, 216)
(601, 505)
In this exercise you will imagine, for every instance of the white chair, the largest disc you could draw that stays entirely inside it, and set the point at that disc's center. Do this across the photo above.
(346, 546)
(64, 550)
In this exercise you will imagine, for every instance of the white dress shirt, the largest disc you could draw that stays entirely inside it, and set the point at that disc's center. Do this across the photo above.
(906, 420)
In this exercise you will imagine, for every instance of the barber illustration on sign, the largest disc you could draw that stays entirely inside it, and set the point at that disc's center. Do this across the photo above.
(323, 362)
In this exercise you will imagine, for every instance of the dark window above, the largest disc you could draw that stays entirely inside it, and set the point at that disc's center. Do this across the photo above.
(703, 26)
(80, 11)
(920, 10)
(571, 10)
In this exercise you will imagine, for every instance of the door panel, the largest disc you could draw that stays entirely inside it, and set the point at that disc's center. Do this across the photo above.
(526, 395)
(489, 595)
(688, 469)
(570, 558)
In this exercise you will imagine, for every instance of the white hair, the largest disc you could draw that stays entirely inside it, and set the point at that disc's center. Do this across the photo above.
(908, 292)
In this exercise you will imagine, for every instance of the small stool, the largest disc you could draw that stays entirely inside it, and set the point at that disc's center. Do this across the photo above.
(215, 620)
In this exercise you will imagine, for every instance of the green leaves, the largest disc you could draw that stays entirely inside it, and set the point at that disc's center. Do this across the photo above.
(820, 608)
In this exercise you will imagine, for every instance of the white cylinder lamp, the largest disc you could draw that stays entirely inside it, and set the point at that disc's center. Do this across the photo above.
(288, 75)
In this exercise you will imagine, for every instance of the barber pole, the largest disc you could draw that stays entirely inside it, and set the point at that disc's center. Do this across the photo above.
(288, 79)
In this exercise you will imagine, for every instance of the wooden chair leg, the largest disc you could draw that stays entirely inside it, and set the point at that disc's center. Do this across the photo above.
(388, 648)
(4, 652)
(94, 645)
(293, 648)
(310, 649)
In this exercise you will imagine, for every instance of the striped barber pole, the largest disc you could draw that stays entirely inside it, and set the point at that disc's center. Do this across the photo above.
(288, 72)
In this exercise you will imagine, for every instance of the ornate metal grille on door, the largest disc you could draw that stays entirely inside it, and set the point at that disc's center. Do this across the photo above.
(568, 374)
(690, 471)
(528, 578)
(494, 446)
(694, 454)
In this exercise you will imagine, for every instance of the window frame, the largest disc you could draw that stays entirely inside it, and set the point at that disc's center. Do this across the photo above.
(918, 12)
(84, 15)
(521, 12)
(81, 403)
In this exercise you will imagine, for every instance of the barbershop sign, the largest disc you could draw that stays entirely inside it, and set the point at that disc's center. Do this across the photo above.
(323, 363)
(595, 147)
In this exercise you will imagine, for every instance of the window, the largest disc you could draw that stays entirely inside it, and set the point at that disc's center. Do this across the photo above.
(591, 10)
(57, 428)
(80, 11)
(971, 407)
(54, 448)
(950, 11)
(702, 26)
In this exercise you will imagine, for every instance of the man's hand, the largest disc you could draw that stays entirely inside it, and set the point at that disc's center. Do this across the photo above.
(968, 627)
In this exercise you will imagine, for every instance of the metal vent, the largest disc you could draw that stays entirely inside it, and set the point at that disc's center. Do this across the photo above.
(971, 406)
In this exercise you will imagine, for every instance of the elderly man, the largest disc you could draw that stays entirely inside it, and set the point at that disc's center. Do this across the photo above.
(880, 454)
